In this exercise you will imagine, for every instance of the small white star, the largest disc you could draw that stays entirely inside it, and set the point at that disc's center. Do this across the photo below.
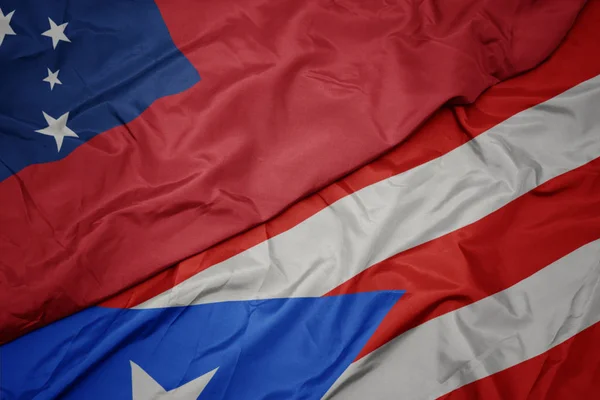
(56, 32)
(5, 28)
(52, 78)
(57, 128)
(144, 387)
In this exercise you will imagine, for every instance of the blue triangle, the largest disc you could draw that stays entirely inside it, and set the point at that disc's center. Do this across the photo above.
(277, 348)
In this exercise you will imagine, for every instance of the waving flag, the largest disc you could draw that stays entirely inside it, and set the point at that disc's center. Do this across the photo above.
(136, 134)
(462, 264)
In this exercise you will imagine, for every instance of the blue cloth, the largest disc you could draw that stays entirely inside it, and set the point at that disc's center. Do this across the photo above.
(277, 348)
(119, 60)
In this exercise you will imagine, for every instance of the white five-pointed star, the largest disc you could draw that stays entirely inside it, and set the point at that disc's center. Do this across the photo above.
(144, 387)
(52, 78)
(57, 128)
(5, 28)
(56, 32)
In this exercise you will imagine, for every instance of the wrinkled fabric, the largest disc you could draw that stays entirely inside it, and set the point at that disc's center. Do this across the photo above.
(471, 263)
(450, 128)
(277, 348)
(568, 370)
(293, 95)
(483, 338)
(408, 209)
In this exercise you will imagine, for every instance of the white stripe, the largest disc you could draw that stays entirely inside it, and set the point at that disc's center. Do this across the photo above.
(408, 209)
(483, 338)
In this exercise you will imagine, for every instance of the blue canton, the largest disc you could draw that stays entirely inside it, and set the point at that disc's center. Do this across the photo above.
(70, 70)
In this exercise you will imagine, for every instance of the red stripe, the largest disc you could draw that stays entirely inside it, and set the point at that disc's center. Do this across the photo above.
(487, 256)
(294, 95)
(570, 370)
(575, 61)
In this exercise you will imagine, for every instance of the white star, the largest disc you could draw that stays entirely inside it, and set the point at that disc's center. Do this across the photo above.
(56, 32)
(5, 28)
(52, 78)
(144, 387)
(57, 128)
